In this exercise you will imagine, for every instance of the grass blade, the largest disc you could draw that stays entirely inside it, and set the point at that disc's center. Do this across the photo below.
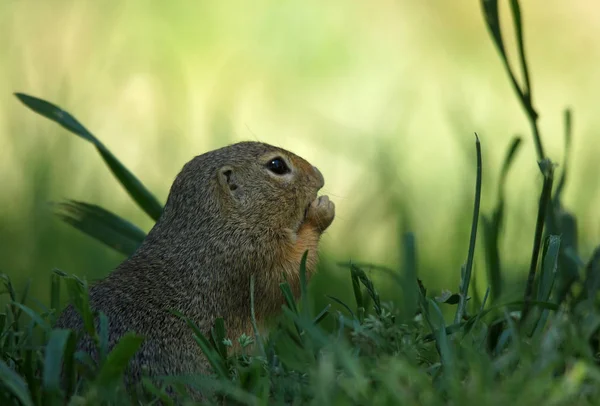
(564, 223)
(322, 315)
(371, 291)
(209, 351)
(106, 227)
(118, 359)
(159, 393)
(288, 296)
(511, 153)
(304, 286)
(548, 170)
(14, 384)
(25, 291)
(492, 21)
(103, 336)
(212, 355)
(35, 317)
(569, 261)
(409, 281)
(132, 185)
(516, 14)
(547, 278)
(469, 324)
(29, 372)
(16, 312)
(348, 362)
(79, 298)
(360, 305)
(466, 279)
(592, 276)
(492, 227)
(443, 345)
(490, 12)
(549, 268)
(481, 310)
(59, 350)
(233, 393)
(344, 305)
(568, 137)
(218, 335)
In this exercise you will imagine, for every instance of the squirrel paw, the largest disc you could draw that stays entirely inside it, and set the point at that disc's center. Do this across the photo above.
(320, 213)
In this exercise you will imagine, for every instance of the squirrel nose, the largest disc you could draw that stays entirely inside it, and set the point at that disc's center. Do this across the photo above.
(320, 178)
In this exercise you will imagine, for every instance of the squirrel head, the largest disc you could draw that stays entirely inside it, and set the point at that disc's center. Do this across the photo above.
(247, 185)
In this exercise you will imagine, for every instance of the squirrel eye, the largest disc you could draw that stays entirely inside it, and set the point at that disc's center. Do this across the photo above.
(278, 166)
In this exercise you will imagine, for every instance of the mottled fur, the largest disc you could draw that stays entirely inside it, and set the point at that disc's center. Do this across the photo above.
(227, 217)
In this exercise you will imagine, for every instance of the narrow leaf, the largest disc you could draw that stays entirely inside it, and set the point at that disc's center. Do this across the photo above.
(357, 293)
(321, 316)
(443, 344)
(304, 286)
(466, 279)
(218, 335)
(132, 185)
(409, 280)
(209, 351)
(492, 20)
(108, 228)
(116, 363)
(592, 276)
(516, 14)
(60, 349)
(14, 384)
(33, 315)
(548, 170)
(29, 370)
(159, 393)
(372, 292)
(79, 296)
(492, 227)
(288, 296)
(568, 130)
(547, 277)
(549, 268)
(344, 305)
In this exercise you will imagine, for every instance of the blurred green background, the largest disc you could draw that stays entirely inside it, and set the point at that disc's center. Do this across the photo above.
(382, 96)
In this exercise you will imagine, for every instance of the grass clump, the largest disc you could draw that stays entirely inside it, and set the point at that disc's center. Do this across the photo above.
(541, 348)
(376, 354)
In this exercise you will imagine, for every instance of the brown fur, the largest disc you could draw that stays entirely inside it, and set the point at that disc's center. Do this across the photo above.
(226, 218)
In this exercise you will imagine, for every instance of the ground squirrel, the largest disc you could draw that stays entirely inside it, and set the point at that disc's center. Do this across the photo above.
(246, 209)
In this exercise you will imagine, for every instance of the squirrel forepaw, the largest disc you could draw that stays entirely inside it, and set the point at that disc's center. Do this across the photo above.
(320, 213)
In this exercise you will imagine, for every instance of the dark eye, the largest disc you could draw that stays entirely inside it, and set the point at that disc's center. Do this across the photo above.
(278, 166)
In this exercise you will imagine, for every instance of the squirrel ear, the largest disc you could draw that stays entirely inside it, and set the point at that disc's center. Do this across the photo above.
(227, 179)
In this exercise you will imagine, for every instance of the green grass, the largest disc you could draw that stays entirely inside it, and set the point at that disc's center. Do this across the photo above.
(531, 340)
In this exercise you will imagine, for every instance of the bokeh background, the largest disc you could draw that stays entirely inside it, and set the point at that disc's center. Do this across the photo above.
(383, 96)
